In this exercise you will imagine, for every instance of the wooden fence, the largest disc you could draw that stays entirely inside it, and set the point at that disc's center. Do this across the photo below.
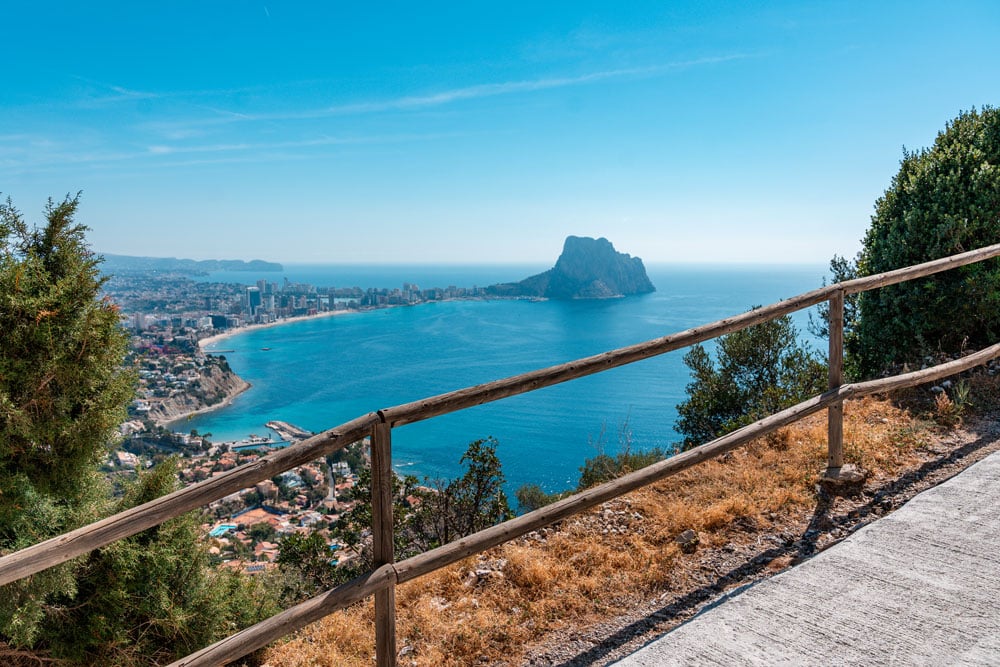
(381, 581)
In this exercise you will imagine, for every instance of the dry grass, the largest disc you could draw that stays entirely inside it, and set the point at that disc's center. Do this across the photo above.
(600, 563)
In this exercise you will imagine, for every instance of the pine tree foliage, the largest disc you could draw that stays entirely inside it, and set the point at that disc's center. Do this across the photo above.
(63, 391)
(757, 371)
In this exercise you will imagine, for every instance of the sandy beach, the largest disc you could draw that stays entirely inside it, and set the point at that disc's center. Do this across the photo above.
(253, 327)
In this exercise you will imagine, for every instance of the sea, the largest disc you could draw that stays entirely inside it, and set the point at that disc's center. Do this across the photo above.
(322, 372)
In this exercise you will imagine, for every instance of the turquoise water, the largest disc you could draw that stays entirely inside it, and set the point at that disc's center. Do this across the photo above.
(323, 372)
(222, 529)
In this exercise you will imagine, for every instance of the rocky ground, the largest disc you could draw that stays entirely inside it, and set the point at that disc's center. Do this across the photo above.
(754, 554)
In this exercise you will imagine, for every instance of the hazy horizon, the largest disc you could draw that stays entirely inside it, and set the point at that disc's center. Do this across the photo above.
(457, 264)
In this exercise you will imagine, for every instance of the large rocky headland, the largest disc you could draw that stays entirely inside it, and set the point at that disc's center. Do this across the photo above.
(588, 268)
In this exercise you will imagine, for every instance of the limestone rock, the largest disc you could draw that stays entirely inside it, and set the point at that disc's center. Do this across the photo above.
(587, 269)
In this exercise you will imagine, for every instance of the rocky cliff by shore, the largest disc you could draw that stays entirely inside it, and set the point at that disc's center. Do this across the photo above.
(216, 386)
(588, 268)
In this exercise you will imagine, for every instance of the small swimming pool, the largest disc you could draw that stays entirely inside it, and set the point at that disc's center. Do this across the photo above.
(222, 529)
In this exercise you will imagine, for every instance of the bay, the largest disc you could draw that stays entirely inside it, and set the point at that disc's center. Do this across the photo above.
(322, 372)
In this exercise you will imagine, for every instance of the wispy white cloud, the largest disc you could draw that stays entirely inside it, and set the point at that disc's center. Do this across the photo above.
(478, 91)
(56, 155)
(117, 93)
(107, 94)
(164, 149)
(151, 143)
(511, 87)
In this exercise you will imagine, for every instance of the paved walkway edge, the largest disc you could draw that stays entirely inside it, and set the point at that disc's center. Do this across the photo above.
(918, 587)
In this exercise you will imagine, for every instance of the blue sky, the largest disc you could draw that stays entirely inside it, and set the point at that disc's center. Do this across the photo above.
(475, 132)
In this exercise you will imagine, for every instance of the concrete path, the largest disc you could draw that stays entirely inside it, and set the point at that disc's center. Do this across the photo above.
(918, 587)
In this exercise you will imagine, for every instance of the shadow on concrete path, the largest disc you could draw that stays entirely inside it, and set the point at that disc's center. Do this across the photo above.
(879, 501)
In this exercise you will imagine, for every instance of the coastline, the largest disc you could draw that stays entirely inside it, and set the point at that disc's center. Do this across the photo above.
(215, 338)
(243, 386)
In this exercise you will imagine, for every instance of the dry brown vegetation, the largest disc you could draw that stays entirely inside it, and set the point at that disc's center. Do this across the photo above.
(489, 609)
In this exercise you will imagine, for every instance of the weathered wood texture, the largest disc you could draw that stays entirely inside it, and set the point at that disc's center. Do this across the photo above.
(77, 542)
(918, 270)
(835, 363)
(382, 543)
(435, 559)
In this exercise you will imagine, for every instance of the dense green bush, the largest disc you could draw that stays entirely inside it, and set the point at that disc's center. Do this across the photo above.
(530, 497)
(307, 566)
(63, 392)
(606, 467)
(944, 200)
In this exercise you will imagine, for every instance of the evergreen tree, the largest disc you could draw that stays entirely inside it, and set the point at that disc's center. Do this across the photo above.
(63, 391)
(759, 370)
(465, 505)
(441, 513)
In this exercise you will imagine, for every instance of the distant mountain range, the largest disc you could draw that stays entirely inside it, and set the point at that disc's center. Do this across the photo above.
(128, 263)
(588, 268)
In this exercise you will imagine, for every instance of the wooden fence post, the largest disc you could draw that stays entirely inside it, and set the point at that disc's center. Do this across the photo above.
(382, 543)
(838, 479)
(835, 413)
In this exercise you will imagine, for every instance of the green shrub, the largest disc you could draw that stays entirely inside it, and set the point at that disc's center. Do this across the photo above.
(944, 200)
(758, 371)
(605, 467)
(530, 497)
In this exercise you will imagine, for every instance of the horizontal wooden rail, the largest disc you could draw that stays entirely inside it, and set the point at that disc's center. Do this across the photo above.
(546, 377)
(246, 641)
(299, 616)
(77, 542)
(896, 276)
(490, 537)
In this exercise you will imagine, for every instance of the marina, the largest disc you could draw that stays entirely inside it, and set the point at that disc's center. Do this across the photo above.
(289, 432)
(257, 442)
